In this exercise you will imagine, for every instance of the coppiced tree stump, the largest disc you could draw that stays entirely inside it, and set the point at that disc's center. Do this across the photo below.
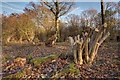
(85, 47)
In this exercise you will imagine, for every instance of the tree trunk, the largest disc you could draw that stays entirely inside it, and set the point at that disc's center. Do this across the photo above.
(80, 57)
(75, 54)
(57, 27)
(102, 11)
(93, 53)
(96, 45)
(86, 52)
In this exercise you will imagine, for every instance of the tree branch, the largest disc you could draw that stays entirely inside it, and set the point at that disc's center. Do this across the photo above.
(105, 36)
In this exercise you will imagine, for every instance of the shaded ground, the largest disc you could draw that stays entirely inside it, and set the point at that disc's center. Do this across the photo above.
(16, 50)
(106, 65)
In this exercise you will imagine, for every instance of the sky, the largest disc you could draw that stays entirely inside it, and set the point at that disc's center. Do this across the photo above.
(17, 7)
(7, 8)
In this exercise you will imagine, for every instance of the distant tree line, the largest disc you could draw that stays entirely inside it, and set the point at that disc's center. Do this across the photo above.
(40, 22)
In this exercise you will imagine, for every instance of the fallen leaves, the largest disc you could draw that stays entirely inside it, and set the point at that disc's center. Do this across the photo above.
(20, 61)
(106, 64)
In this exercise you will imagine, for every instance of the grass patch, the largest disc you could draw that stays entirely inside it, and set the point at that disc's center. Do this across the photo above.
(38, 61)
(71, 70)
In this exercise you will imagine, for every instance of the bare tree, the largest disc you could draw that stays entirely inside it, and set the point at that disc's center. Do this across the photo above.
(88, 16)
(58, 9)
(73, 22)
(42, 17)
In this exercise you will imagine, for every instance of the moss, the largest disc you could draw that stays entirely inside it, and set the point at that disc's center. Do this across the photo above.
(63, 72)
(72, 70)
(38, 61)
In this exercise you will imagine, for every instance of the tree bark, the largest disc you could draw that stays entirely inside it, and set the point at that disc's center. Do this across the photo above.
(57, 27)
(75, 53)
(80, 53)
(86, 52)
(102, 11)
(93, 53)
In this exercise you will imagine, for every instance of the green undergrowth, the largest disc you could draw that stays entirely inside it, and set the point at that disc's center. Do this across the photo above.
(70, 71)
(38, 61)
(73, 69)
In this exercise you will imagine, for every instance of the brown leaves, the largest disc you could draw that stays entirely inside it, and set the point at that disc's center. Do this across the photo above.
(20, 61)
(106, 65)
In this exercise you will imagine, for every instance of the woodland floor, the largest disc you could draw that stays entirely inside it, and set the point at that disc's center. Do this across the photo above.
(106, 65)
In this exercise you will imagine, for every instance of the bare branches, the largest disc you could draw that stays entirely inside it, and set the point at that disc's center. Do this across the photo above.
(50, 6)
(104, 37)
(65, 8)
(89, 17)
(58, 8)
(88, 44)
